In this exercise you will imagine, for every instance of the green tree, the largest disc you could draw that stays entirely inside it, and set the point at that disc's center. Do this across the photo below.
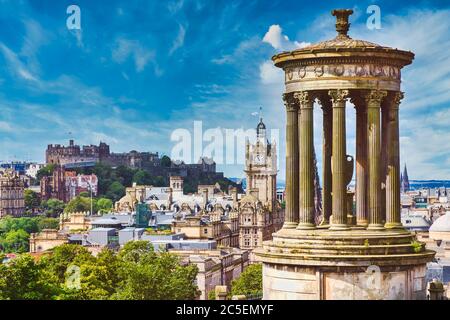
(78, 204)
(47, 223)
(142, 177)
(32, 201)
(124, 175)
(249, 282)
(136, 272)
(115, 191)
(21, 279)
(166, 162)
(53, 207)
(85, 194)
(65, 255)
(30, 225)
(99, 278)
(45, 171)
(15, 241)
(104, 205)
(159, 181)
(147, 275)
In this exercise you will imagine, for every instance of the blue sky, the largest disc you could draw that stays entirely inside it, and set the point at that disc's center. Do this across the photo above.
(138, 70)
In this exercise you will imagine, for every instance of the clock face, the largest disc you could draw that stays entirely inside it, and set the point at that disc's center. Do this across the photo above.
(259, 159)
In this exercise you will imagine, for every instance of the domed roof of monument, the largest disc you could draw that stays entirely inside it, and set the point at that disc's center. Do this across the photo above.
(344, 43)
(342, 39)
(442, 224)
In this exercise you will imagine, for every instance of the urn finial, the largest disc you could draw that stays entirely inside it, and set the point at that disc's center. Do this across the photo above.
(342, 24)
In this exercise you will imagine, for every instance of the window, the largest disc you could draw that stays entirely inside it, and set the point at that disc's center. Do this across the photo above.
(205, 231)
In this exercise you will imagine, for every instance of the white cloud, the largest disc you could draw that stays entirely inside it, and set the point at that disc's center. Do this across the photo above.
(126, 48)
(35, 37)
(270, 74)
(175, 6)
(15, 65)
(5, 127)
(239, 53)
(179, 40)
(275, 37)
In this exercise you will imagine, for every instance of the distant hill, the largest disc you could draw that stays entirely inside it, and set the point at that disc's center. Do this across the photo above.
(417, 184)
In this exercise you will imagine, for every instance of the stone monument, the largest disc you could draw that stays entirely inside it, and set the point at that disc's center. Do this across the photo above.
(371, 256)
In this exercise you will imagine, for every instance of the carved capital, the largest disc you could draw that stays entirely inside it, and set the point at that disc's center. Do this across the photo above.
(304, 98)
(397, 97)
(290, 102)
(338, 95)
(374, 97)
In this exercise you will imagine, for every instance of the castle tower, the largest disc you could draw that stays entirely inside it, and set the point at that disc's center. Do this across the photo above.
(375, 258)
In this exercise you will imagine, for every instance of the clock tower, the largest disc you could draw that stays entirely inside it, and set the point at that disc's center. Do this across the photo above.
(260, 213)
(261, 166)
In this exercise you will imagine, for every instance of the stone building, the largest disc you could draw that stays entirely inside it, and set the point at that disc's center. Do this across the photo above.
(12, 200)
(46, 240)
(76, 184)
(214, 225)
(75, 156)
(75, 221)
(363, 255)
(215, 267)
(54, 186)
(71, 154)
(66, 185)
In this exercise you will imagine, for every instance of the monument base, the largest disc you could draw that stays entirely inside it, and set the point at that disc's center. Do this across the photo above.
(352, 265)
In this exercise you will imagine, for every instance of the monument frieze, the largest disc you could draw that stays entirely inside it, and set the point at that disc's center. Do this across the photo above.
(332, 71)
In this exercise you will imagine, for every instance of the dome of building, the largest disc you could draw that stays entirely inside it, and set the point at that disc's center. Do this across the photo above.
(442, 224)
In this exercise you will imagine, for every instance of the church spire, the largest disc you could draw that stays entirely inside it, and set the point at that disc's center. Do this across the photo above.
(404, 181)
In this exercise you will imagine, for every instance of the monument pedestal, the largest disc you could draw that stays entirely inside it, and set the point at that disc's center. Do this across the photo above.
(351, 265)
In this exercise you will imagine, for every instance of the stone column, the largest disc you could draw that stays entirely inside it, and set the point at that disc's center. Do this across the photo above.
(292, 177)
(306, 165)
(384, 120)
(393, 217)
(361, 161)
(373, 100)
(339, 156)
(325, 101)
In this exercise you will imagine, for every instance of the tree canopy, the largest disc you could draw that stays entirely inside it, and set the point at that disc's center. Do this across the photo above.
(136, 272)
(249, 282)
(32, 201)
(53, 207)
(15, 232)
(45, 171)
